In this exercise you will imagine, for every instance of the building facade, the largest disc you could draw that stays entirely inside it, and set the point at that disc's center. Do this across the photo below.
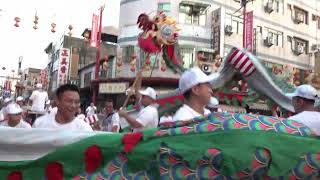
(285, 32)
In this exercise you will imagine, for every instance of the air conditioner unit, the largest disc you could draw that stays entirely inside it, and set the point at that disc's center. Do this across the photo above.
(268, 41)
(268, 7)
(299, 17)
(315, 47)
(228, 30)
(299, 50)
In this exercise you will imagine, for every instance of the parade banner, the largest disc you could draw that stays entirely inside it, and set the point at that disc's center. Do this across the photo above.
(221, 146)
(63, 71)
(249, 31)
(94, 31)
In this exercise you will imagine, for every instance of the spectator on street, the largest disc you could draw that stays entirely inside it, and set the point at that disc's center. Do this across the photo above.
(3, 115)
(39, 97)
(91, 110)
(14, 114)
(111, 122)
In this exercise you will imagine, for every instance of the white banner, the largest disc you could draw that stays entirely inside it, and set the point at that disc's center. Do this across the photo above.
(63, 70)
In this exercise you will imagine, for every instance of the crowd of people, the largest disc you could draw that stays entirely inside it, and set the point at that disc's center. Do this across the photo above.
(64, 111)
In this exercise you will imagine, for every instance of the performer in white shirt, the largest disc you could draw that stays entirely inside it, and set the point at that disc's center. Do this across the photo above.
(148, 115)
(14, 114)
(68, 102)
(39, 97)
(194, 84)
(91, 110)
(304, 101)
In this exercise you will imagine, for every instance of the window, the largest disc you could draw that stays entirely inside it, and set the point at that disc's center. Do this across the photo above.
(165, 7)
(193, 14)
(276, 36)
(235, 22)
(274, 6)
(300, 43)
(300, 16)
(279, 6)
(187, 56)
(87, 79)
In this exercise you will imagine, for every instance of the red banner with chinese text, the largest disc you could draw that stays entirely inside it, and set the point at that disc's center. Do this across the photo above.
(94, 31)
(63, 71)
(249, 31)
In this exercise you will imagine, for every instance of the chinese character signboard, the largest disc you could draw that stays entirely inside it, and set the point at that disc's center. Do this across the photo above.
(63, 70)
(93, 38)
(249, 31)
(74, 64)
(112, 88)
(218, 18)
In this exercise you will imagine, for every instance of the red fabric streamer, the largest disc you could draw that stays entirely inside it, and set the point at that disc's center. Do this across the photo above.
(16, 175)
(93, 159)
(130, 141)
(172, 55)
(54, 171)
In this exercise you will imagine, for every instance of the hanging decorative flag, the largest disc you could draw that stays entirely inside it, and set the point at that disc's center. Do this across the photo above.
(17, 20)
(94, 31)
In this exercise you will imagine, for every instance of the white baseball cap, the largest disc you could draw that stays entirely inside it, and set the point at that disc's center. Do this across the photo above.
(13, 108)
(39, 85)
(192, 77)
(149, 92)
(19, 98)
(6, 100)
(304, 91)
(213, 102)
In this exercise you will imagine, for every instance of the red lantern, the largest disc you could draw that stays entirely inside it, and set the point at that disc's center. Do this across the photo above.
(17, 20)
(53, 25)
(70, 30)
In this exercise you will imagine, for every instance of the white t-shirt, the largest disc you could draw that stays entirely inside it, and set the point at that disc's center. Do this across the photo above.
(22, 124)
(109, 121)
(164, 119)
(91, 110)
(185, 113)
(148, 117)
(48, 121)
(39, 99)
(310, 119)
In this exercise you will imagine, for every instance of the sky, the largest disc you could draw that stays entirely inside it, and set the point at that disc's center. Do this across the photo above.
(29, 43)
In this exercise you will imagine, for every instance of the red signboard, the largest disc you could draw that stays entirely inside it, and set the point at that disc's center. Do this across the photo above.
(249, 31)
(93, 39)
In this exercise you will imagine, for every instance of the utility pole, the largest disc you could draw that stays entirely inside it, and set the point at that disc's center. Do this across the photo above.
(97, 67)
